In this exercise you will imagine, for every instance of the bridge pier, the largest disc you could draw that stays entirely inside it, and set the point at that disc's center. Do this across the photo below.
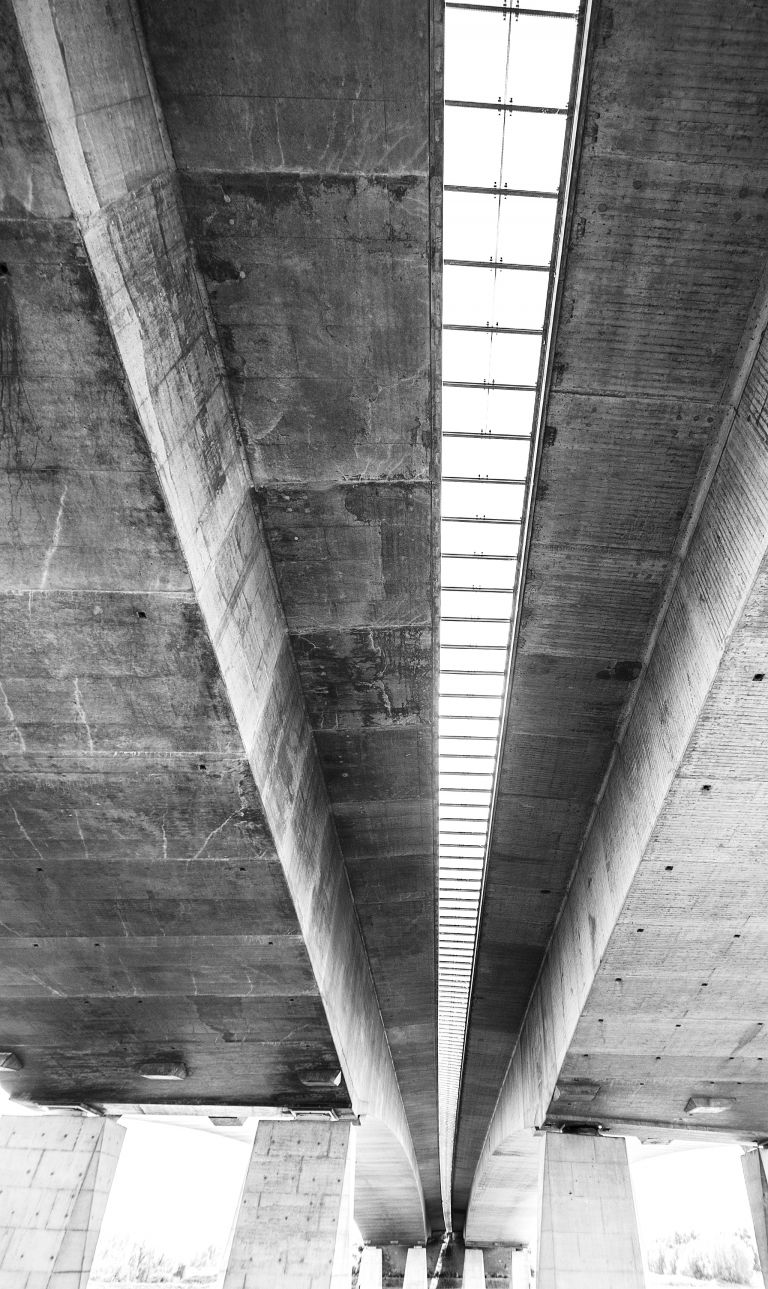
(588, 1235)
(474, 1270)
(753, 1165)
(293, 1226)
(55, 1176)
(370, 1273)
(415, 1269)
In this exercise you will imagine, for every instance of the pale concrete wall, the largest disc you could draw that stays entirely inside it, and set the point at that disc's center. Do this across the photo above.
(415, 1269)
(55, 1176)
(588, 1235)
(474, 1270)
(287, 1234)
(370, 1269)
(753, 1164)
(520, 1277)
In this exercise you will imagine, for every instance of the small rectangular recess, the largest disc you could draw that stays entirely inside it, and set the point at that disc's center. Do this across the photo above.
(485, 458)
(478, 573)
(482, 226)
(468, 538)
(491, 411)
(484, 705)
(503, 358)
(487, 296)
(531, 155)
(492, 501)
(495, 634)
(492, 662)
(487, 605)
(465, 682)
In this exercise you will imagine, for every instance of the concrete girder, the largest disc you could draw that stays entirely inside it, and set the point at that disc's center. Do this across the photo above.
(96, 89)
(726, 545)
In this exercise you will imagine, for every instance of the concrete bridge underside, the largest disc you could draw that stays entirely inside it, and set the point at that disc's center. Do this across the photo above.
(217, 585)
(622, 929)
(219, 297)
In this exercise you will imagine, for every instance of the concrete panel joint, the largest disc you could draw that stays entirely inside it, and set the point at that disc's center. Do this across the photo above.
(56, 1175)
(588, 1232)
(293, 1227)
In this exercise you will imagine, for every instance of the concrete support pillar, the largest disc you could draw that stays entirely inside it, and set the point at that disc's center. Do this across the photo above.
(474, 1270)
(55, 1176)
(521, 1269)
(753, 1164)
(588, 1231)
(415, 1269)
(293, 1227)
(370, 1269)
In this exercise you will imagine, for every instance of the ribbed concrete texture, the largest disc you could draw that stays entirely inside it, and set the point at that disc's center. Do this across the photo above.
(369, 1276)
(292, 1231)
(55, 1173)
(753, 1164)
(474, 1270)
(588, 1236)
(415, 1269)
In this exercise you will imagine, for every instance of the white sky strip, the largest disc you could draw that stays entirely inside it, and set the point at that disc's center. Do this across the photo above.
(508, 73)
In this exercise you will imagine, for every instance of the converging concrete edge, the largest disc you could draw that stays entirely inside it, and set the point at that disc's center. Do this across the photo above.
(717, 572)
(96, 89)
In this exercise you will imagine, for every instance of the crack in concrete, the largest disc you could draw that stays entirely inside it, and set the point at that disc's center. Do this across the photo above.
(80, 831)
(54, 546)
(24, 832)
(82, 716)
(12, 719)
(214, 831)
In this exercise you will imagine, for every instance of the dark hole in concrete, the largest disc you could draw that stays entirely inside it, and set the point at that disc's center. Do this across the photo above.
(3, 270)
(640, 930)
(201, 765)
(737, 935)
(704, 984)
(618, 980)
(140, 613)
(546, 892)
(669, 868)
(759, 675)
(706, 787)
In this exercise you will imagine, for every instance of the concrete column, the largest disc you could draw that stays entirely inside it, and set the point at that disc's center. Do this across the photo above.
(588, 1231)
(753, 1164)
(292, 1230)
(521, 1269)
(474, 1270)
(370, 1269)
(55, 1176)
(415, 1269)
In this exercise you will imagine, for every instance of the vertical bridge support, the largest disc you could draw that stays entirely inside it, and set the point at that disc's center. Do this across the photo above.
(55, 1176)
(474, 1270)
(369, 1276)
(753, 1164)
(293, 1227)
(588, 1234)
(415, 1269)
